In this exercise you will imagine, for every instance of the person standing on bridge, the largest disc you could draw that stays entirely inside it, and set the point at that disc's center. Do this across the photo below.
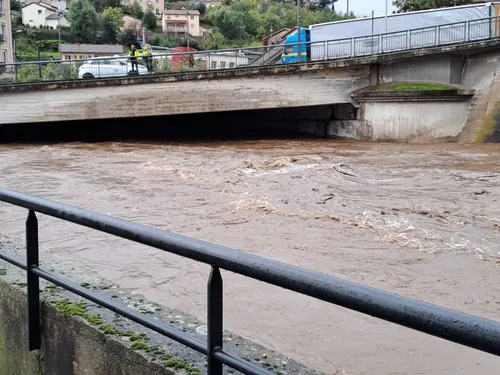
(134, 54)
(147, 56)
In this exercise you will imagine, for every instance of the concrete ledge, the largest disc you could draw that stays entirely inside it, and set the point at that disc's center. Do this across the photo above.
(256, 71)
(416, 92)
(81, 338)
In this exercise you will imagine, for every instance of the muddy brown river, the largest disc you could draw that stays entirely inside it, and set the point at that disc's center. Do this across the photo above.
(422, 221)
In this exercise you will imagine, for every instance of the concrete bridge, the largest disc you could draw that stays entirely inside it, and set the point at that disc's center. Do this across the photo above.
(329, 84)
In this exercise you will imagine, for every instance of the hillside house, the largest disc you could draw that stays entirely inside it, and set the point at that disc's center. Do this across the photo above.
(178, 23)
(40, 13)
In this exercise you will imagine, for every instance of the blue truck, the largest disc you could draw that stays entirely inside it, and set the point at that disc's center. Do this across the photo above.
(365, 36)
(290, 52)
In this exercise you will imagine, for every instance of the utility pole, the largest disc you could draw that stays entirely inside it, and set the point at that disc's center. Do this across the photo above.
(386, 11)
(187, 20)
(299, 52)
(60, 54)
(347, 7)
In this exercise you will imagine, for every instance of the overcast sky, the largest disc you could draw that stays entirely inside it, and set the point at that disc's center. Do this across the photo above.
(364, 7)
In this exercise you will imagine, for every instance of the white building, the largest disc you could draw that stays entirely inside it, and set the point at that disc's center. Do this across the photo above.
(40, 13)
(6, 50)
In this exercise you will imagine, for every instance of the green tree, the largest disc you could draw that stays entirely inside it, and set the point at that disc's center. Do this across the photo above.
(100, 5)
(115, 17)
(215, 41)
(128, 37)
(83, 20)
(135, 10)
(15, 5)
(149, 20)
(246, 22)
(415, 5)
(109, 32)
(202, 8)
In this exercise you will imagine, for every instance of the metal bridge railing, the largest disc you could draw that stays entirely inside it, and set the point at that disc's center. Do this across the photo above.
(468, 330)
(179, 62)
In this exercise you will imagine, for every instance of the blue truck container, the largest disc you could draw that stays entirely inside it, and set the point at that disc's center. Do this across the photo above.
(333, 40)
(290, 51)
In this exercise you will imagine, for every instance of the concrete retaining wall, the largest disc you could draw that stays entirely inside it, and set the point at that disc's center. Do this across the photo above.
(81, 338)
(415, 121)
(482, 71)
(70, 346)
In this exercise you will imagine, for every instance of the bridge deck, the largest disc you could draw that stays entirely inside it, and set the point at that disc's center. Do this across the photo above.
(260, 71)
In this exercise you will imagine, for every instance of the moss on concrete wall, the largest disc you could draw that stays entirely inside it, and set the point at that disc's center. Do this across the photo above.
(70, 346)
(15, 359)
(490, 127)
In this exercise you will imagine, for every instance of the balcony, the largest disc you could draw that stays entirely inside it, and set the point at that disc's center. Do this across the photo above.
(172, 29)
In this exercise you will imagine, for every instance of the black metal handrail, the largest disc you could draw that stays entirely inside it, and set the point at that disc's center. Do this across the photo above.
(464, 329)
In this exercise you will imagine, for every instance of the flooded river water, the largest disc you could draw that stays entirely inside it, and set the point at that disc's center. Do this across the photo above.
(420, 221)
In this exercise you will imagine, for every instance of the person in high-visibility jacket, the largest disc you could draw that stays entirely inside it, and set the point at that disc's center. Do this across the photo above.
(134, 55)
(147, 56)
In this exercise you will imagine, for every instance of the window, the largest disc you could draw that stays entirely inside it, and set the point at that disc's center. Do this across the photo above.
(213, 65)
(1, 7)
(4, 55)
(231, 64)
(168, 17)
(222, 64)
(192, 25)
(39, 12)
(2, 29)
(192, 17)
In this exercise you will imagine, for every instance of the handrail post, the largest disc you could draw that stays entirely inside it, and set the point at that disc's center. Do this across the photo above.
(214, 321)
(34, 332)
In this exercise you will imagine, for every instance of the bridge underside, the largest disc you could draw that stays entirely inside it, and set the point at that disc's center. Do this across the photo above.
(303, 122)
